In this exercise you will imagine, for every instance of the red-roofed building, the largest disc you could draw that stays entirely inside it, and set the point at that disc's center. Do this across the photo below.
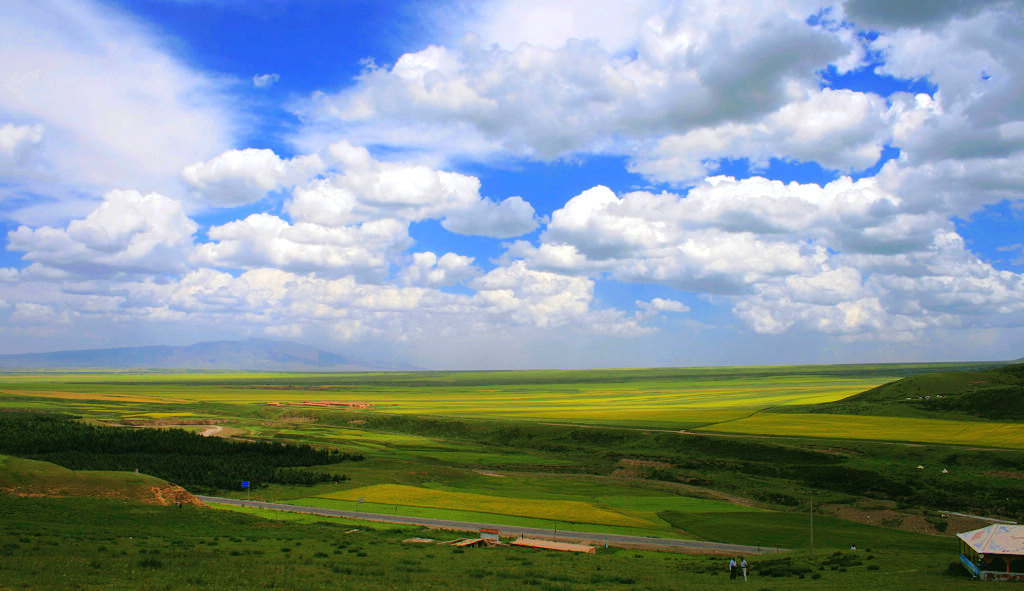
(995, 552)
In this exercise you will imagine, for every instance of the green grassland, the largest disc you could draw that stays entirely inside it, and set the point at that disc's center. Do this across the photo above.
(720, 454)
(90, 543)
(98, 544)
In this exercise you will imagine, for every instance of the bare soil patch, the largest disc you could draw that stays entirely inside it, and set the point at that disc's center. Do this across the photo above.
(636, 468)
(172, 494)
(331, 403)
(886, 515)
(836, 451)
(1001, 474)
(284, 422)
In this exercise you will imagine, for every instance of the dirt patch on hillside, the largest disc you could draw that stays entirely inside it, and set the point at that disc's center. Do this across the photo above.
(635, 468)
(1001, 474)
(878, 514)
(172, 494)
(168, 494)
(288, 421)
(644, 469)
(486, 473)
(324, 404)
(836, 451)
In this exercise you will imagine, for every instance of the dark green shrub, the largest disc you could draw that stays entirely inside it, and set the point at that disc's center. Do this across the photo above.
(779, 567)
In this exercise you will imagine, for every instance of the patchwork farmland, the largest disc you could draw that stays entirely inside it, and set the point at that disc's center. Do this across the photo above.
(720, 454)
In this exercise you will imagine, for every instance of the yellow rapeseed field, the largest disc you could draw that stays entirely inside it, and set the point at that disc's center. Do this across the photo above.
(571, 511)
(1007, 435)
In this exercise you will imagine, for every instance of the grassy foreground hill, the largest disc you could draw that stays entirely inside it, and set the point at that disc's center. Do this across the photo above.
(31, 478)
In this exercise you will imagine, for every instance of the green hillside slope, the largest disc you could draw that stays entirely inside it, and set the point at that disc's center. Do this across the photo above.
(996, 394)
(31, 478)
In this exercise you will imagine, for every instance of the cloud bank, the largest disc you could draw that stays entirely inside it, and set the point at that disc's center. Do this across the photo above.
(139, 204)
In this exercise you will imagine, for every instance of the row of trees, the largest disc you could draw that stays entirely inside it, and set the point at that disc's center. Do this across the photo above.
(182, 457)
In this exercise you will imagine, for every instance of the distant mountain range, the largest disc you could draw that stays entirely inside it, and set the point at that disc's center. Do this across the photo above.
(249, 354)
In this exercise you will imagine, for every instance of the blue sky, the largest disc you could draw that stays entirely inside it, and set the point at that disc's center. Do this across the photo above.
(513, 184)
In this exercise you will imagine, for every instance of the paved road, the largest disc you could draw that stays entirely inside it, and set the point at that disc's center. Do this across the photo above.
(509, 530)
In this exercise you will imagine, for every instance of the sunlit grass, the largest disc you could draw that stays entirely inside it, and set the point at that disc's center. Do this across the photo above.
(572, 511)
(879, 428)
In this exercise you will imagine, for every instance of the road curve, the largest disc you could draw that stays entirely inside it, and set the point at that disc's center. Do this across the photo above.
(667, 544)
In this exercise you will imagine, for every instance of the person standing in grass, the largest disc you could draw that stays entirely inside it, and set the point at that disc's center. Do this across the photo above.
(732, 568)
(743, 567)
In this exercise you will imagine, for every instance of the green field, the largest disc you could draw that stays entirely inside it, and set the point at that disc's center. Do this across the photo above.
(720, 454)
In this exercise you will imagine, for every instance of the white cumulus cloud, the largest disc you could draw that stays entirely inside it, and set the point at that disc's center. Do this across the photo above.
(963, 148)
(264, 240)
(237, 177)
(690, 67)
(840, 129)
(843, 258)
(427, 269)
(506, 219)
(663, 305)
(127, 233)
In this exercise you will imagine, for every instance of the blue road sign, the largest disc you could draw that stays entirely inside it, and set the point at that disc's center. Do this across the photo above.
(245, 484)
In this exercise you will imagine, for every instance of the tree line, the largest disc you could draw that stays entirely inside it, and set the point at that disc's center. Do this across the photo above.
(182, 457)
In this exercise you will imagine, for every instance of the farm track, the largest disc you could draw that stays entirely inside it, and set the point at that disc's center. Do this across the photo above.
(621, 541)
